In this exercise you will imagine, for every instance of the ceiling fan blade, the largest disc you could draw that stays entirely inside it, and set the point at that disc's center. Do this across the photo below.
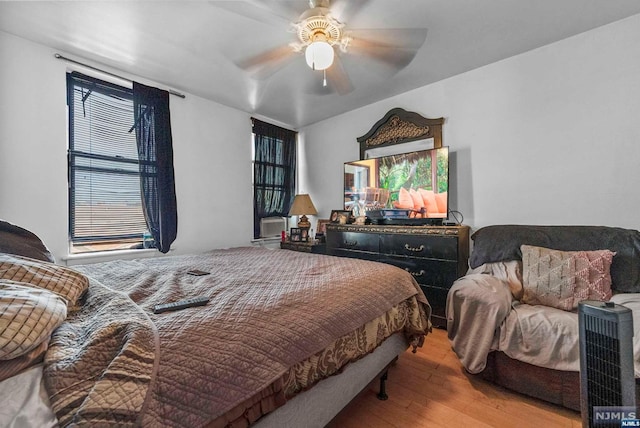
(404, 38)
(393, 47)
(338, 77)
(337, 80)
(265, 11)
(344, 10)
(395, 58)
(265, 64)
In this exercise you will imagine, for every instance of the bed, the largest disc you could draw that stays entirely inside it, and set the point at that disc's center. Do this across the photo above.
(281, 331)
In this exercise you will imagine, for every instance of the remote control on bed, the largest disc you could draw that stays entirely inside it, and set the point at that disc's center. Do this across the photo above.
(180, 304)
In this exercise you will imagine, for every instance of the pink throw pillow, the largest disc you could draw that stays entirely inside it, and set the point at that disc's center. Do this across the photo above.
(429, 199)
(441, 200)
(561, 279)
(417, 200)
(405, 201)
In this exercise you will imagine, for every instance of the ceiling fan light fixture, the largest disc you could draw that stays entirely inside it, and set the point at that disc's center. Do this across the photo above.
(319, 55)
(318, 32)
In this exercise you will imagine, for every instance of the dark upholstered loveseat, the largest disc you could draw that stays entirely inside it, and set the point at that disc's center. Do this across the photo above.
(474, 303)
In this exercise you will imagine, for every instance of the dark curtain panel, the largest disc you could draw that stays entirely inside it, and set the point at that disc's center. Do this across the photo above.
(274, 172)
(155, 151)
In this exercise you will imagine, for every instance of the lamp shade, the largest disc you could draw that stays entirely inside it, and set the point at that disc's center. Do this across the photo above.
(302, 205)
(319, 55)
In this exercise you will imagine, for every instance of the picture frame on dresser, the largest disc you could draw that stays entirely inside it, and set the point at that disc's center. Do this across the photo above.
(336, 214)
(321, 226)
(321, 229)
(295, 234)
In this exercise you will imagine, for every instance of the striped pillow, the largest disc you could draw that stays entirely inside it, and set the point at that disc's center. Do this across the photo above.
(28, 316)
(65, 282)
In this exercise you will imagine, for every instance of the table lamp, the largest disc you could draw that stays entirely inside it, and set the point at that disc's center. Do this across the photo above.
(302, 206)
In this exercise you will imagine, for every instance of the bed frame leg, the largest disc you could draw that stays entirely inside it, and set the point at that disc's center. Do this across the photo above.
(382, 395)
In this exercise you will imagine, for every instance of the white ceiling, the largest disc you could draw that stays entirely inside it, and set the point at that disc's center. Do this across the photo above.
(193, 46)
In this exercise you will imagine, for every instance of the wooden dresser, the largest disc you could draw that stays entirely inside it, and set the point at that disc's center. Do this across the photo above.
(435, 255)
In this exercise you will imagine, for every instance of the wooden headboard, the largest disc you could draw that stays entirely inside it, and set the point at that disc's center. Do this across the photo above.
(400, 126)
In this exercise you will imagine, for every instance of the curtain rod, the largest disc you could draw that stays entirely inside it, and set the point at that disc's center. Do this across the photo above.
(57, 55)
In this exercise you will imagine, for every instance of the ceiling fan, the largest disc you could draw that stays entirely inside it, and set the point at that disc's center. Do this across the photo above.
(325, 39)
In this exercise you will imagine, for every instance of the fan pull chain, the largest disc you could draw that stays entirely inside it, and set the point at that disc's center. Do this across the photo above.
(324, 79)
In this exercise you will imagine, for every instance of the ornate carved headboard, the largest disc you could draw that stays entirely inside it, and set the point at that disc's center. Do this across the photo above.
(400, 126)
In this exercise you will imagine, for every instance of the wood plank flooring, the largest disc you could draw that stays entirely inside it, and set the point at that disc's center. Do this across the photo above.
(431, 389)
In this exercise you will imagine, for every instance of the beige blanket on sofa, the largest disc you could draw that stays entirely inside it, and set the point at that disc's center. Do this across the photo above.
(476, 306)
(483, 316)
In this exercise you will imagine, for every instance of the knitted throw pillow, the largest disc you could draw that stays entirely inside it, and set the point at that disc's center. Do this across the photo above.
(561, 279)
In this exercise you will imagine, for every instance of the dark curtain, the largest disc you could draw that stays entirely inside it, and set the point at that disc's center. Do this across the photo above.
(274, 172)
(155, 152)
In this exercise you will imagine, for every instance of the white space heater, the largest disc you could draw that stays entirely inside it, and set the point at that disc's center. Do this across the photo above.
(272, 226)
(607, 384)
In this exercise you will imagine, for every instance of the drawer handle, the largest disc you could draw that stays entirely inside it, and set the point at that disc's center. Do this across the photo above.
(414, 249)
(350, 243)
(416, 274)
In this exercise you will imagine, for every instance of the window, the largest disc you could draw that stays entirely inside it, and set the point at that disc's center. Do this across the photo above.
(274, 172)
(105, 207)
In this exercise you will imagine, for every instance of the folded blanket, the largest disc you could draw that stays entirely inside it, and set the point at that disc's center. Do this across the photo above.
(476, 306)
(101, 364)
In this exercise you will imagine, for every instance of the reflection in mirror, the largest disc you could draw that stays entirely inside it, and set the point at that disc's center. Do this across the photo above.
(397, 149)
(358, 176)
(415, 181)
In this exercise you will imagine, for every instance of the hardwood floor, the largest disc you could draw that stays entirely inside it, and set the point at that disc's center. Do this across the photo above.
(431, 389)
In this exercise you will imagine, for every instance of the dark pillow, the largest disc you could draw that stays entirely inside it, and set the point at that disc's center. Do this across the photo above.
(502, 243)
(21, 242)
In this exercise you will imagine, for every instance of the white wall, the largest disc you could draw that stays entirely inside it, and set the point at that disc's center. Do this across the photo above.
(212, 156)
(551, 136)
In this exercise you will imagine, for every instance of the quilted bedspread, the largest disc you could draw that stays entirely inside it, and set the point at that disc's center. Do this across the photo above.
(115, 362)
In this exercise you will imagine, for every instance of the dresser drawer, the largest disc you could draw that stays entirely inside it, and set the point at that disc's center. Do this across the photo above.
(435, 256)
(436, 273)
(436, 247)
(353, 241)
(354, 254)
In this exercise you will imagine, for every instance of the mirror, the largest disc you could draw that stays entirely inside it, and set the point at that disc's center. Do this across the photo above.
(400, 128)
(414, 146)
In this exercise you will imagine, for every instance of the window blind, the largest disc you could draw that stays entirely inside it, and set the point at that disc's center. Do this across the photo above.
(104, 183)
